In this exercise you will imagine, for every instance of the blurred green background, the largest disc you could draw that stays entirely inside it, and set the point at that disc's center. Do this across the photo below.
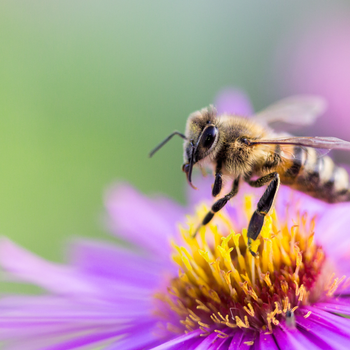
(87, 88)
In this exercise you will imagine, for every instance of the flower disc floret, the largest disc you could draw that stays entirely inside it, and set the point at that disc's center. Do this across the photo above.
(221, 286)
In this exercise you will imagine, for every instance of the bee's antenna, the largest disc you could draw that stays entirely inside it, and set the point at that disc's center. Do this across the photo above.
(165, 141)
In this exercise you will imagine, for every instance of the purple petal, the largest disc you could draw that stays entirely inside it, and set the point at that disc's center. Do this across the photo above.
(220, 343)
(334, 225)
(40, 335)
(248, 337)
(297, 202)
(19, 314)
(180, 340)
(190, 344)
(236, 340)
(115, 263)
(30, 268)
(294, 339)
(266, 342)
(142, 221)
(86, 339)
(336, 323)
(68, 281)
(233, 101)
(339, 306)
(319, 333)
(203, 192)
(208, 342)
(139, 336)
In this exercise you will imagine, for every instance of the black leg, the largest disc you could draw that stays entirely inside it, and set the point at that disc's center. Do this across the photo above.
(264, 206)
(261, 181)
(217, 184)
(218, 180)
(218, 205)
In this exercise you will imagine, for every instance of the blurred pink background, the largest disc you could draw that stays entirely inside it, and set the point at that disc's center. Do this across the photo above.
(315, 59)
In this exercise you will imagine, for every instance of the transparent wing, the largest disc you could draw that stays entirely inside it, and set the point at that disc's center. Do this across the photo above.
(296, 110)
(327, 143)
(291, 152)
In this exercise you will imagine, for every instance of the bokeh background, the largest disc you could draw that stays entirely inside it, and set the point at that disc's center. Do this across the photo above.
(87, 88)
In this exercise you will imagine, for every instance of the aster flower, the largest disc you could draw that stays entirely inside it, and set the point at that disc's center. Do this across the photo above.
(180, 292)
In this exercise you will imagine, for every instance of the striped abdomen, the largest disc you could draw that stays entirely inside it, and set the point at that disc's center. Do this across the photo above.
(316, 175)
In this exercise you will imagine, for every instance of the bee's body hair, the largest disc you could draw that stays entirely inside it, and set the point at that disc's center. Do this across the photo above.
(303, 170)
(238, 148)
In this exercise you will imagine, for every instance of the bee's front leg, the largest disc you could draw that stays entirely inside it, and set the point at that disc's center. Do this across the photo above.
(217, 184)
(218, 205)
(218, 180)
(264, 206)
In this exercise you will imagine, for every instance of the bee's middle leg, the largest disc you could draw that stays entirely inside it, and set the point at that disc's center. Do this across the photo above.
(219, 204)
(264, 206)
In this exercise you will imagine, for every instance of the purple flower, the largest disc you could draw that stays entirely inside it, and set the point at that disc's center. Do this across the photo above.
(233, 101)
(168, 290)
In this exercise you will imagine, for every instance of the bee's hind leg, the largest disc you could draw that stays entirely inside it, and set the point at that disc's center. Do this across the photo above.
(264, 206)
(218, 205)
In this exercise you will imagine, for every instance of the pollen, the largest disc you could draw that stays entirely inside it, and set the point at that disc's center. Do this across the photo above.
(222, 286)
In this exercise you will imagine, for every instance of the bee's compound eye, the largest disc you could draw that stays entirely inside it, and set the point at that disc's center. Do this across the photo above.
(209, 136)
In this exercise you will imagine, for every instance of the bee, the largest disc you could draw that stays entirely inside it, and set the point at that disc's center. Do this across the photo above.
(249, 149)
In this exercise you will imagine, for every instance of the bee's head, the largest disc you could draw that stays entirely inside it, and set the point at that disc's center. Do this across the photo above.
(202, 137)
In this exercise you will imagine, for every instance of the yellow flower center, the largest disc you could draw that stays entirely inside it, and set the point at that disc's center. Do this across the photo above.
(221, 285)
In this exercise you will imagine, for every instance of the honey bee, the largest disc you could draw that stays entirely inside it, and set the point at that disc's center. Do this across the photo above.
(248, 149)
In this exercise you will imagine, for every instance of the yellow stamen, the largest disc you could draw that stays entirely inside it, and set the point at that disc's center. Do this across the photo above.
(302, 292)
(250, 312)
(284, 286)
(242, 324)
(277, 310)
(335, 285)
(286, 304)
(266, 278)
(307, 315)
(255, 245)
(298, 262)
(204, 255)
(204, 325)
(219, 276)
(215, 318)
(221, 334)
(249, 343)
(202, 306)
